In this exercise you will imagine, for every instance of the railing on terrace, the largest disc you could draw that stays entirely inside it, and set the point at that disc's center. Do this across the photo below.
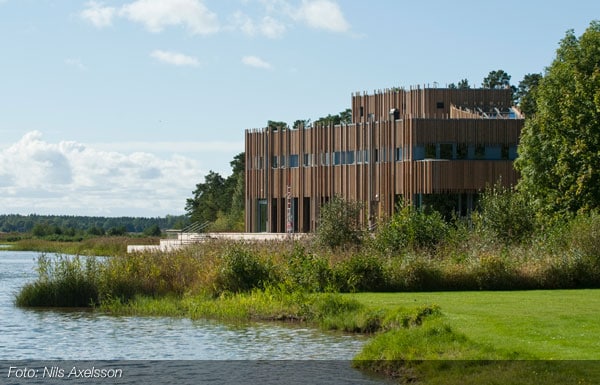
(190, 234)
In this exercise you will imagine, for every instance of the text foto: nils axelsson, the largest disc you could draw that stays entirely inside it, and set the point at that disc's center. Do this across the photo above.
(58, 372)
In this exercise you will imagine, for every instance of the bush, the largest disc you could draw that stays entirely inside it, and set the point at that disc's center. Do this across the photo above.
(308, 272)
(360, 273)
(63, 282)
(339, 224)
(241, 270)
(411, 228)
(585, 236)
(506, 213)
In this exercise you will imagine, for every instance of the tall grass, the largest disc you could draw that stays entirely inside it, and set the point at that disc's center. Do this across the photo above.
(63, 282)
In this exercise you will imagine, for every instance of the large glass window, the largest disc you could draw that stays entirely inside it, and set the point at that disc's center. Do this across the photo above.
(430, 152)
(479, 151)
(419, 153)
(446, 151)
(461, 151)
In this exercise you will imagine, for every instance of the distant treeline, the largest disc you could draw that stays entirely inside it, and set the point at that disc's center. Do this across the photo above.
(76, 224)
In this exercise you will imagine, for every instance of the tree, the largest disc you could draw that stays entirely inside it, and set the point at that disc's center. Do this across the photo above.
(496, 79)
(343, 117)
(462, 85)
(339, 223)
(526, 93)
(220, 198)
(209, 198)
(346, 116)
(276, 126)
(559, 152)
(301, 123)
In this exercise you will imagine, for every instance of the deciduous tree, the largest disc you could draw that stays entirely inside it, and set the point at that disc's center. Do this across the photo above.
(559, 152)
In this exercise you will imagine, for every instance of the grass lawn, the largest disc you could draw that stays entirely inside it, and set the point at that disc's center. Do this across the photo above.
(548, 325)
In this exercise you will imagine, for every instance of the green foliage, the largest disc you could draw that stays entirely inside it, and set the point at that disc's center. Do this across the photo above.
(63, 282)
(506, 213)
(308, 272)
(242, 270)
(411, 228)
(585, 236)
(220, 200)
(339, 224)
(463, 84)
(526, 93)
(360, 272)
(152, 231)
(559, 151)
(78, 225)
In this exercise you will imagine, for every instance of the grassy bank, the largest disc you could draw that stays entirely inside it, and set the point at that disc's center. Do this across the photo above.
(535, 337)
(98, 246)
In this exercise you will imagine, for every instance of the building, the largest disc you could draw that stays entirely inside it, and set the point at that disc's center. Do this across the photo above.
(434, 146)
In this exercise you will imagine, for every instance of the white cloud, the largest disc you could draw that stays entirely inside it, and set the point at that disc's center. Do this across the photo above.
(268, 26)
(174, 58)
(97, 14)
(71, 178)
(323, 14)
(158, 14)
(255, 61)
(76, 63)
(271, 28)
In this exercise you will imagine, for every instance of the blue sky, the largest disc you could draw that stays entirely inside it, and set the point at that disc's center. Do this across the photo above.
(120, 107)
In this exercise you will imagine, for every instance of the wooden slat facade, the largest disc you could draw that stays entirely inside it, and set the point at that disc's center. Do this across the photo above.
(392, 128)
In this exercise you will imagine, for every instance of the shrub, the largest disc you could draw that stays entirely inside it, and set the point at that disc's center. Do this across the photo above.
(241, 270)
(339, 224)
(585, 236)
(506, 213)
(416, 274)
(307, 271)
(360, 273)
(411, 228)
(63, 282)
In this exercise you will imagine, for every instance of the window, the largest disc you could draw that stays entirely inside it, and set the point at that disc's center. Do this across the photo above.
(440, 105)
(461, 151)
(349, 157)
(398, 154)
(306, 160)
(293, 160)
(430, 151)
(493, 152)
(274, 161)
(418, 153)
(512, 152)
(479, 151)
(337, 158)
(504, 152)
(446, 151)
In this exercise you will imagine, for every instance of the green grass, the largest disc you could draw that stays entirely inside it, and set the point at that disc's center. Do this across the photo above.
(548, 325)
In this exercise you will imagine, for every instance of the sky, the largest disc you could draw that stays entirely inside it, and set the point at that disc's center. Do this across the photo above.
(119, 108)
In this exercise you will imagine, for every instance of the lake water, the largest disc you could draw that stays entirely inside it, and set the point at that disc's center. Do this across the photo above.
(50, 335)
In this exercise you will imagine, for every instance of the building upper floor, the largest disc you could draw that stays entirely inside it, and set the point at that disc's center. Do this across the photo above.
(443, 103)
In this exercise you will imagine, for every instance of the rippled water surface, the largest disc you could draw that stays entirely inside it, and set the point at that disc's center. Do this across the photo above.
(86, 335)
